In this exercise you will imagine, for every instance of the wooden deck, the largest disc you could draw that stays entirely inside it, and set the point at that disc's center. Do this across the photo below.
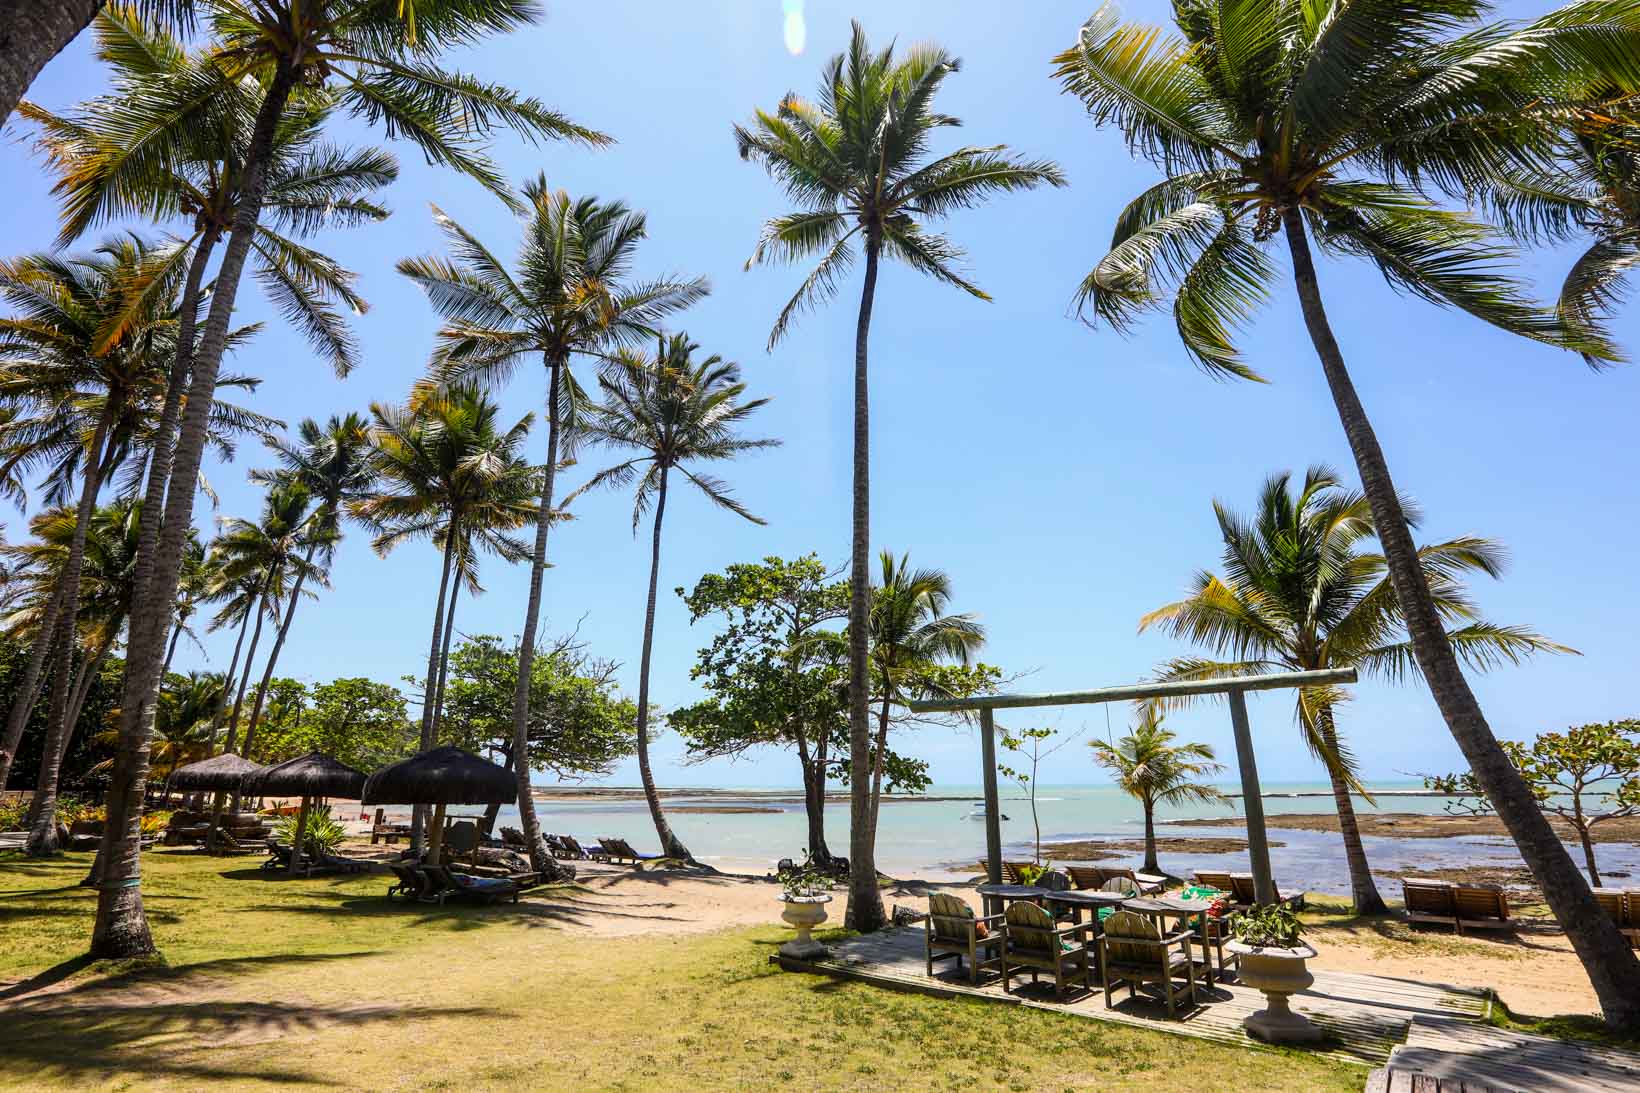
(1451, 1051)
(1368, 1015)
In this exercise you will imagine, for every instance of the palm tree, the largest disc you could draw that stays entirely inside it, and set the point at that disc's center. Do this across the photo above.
(1153, 770)
(570, 295)
(50, 351)
(379, 58)
(1589, 192)
(35, 33)
(856, 163)
(674, 412)
(446, 471)
(193, 584)
(332, 464)
(278, 550)
(242, 600)
(911, 635)
(184, 722)
(1299, 594)
(1278, 117)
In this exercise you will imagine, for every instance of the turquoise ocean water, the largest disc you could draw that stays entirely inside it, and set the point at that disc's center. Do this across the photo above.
(935, 838)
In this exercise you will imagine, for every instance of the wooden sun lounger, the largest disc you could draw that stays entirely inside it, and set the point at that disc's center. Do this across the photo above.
(1208, 878)
(1241, 891)
(621, 850)
(447, 883)
(1477, 906)
(1624, 909)
(1429, 901)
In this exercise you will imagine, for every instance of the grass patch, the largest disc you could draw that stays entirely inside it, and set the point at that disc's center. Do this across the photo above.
(322, 981)
(1584, 1027)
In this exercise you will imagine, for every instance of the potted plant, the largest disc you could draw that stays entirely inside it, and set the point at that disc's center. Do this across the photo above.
(805, 890)
(1270, 956)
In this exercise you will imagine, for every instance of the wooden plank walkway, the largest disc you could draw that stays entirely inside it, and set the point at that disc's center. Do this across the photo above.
(1367, 1015)
(1450, 1051)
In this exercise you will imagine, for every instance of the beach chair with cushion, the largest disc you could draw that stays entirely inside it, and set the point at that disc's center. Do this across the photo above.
(1241, 891)
(952, 929)
(445, 883)
(1132, 950)
(1481, 905)
(1033, 941)
(621, 850)
(1429, 901)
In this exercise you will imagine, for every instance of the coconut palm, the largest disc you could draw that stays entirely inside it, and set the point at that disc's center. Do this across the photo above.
(1300, 594)
(857, 164)
(332, 463)
(1589, 193)
(243, 601)
(106, 584)
(1322, 120)
(1152, 769)
(570, 295)
(448, 472)
(675, 413)
(184, 722)
(193, 584)
(278, 549)
(380, 60)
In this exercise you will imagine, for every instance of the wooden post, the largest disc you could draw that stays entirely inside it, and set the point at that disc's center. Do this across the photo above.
(435, 835)
(993, 810)
(301, 834)
(1258, 846)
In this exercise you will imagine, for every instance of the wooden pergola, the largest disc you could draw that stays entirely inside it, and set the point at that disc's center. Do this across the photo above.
(1234, 688)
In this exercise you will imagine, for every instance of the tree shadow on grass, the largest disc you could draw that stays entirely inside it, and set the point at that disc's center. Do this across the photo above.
(73, 1040)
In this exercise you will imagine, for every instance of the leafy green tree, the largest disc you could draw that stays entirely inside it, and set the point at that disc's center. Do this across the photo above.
(280, 733)
(380, 59)
(183, 722)
(1330, 120)
(675, 412)
(1152, 769)
(580, 725)
(767, 682)
(570, 295)
(1299, 593)
(1586, 776)
(856, 163)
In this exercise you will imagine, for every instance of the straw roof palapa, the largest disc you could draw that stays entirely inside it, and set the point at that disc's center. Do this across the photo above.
(218, 772)
(312, 775)
(441, 776)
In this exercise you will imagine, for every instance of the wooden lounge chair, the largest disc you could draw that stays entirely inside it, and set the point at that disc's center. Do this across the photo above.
(1208, 878)
(1241, 891)
(952, 929)
(576, 850)
(1011, 873)
(1429, 901)
(1624, 909)
(1086, 876)
(1132, 950)
(446, 883)
(412, 884)
(1481, 905)
(1033, 941)
(621, 850)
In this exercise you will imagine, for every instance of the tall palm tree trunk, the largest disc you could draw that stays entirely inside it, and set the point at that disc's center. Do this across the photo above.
(671, 845)
(88, 679)
(227, 682)
(28, 693)
(261, 610)
(540, 860)
(1612, 966)
(418, 813)
(879, 754)
(121, 928)
(865, 901)
(444, 656)
(1363, 889)
(278, 644)
(171, 650)
(42, 839)
(34, 33)
(1151, 865)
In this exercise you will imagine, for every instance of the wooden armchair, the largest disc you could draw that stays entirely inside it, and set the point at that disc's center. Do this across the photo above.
(1132, 950)
(954, 930)
(1033, 941)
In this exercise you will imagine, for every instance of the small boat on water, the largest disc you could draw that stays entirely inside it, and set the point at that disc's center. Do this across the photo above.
(978, 812)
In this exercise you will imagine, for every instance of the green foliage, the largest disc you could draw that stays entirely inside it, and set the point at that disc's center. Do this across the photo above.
(579, 724)
(1152, 769)
(1270, 924)
(321, 836)
(804, 881)
(1031, 873)
(358, 721)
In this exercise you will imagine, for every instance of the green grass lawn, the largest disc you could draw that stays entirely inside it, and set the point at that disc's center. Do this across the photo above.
(272, 982)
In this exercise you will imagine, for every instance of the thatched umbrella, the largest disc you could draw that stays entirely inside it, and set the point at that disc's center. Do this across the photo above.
(221, 773)
(440, 777)
(308, 776)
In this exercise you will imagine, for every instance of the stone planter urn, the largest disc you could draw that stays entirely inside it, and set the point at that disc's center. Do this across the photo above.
(804, 913)
(1279, 973)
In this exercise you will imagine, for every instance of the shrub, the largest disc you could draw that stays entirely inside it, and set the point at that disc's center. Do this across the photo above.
(323, 834)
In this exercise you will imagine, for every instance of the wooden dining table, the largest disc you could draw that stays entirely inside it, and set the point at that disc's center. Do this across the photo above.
(1077, 900)
(1164, 908)
(996, 897)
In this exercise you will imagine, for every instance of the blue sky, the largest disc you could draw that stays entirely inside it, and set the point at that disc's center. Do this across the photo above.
(1062, 476)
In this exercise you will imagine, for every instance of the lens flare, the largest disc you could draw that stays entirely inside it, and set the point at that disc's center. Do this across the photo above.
(795, 32)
